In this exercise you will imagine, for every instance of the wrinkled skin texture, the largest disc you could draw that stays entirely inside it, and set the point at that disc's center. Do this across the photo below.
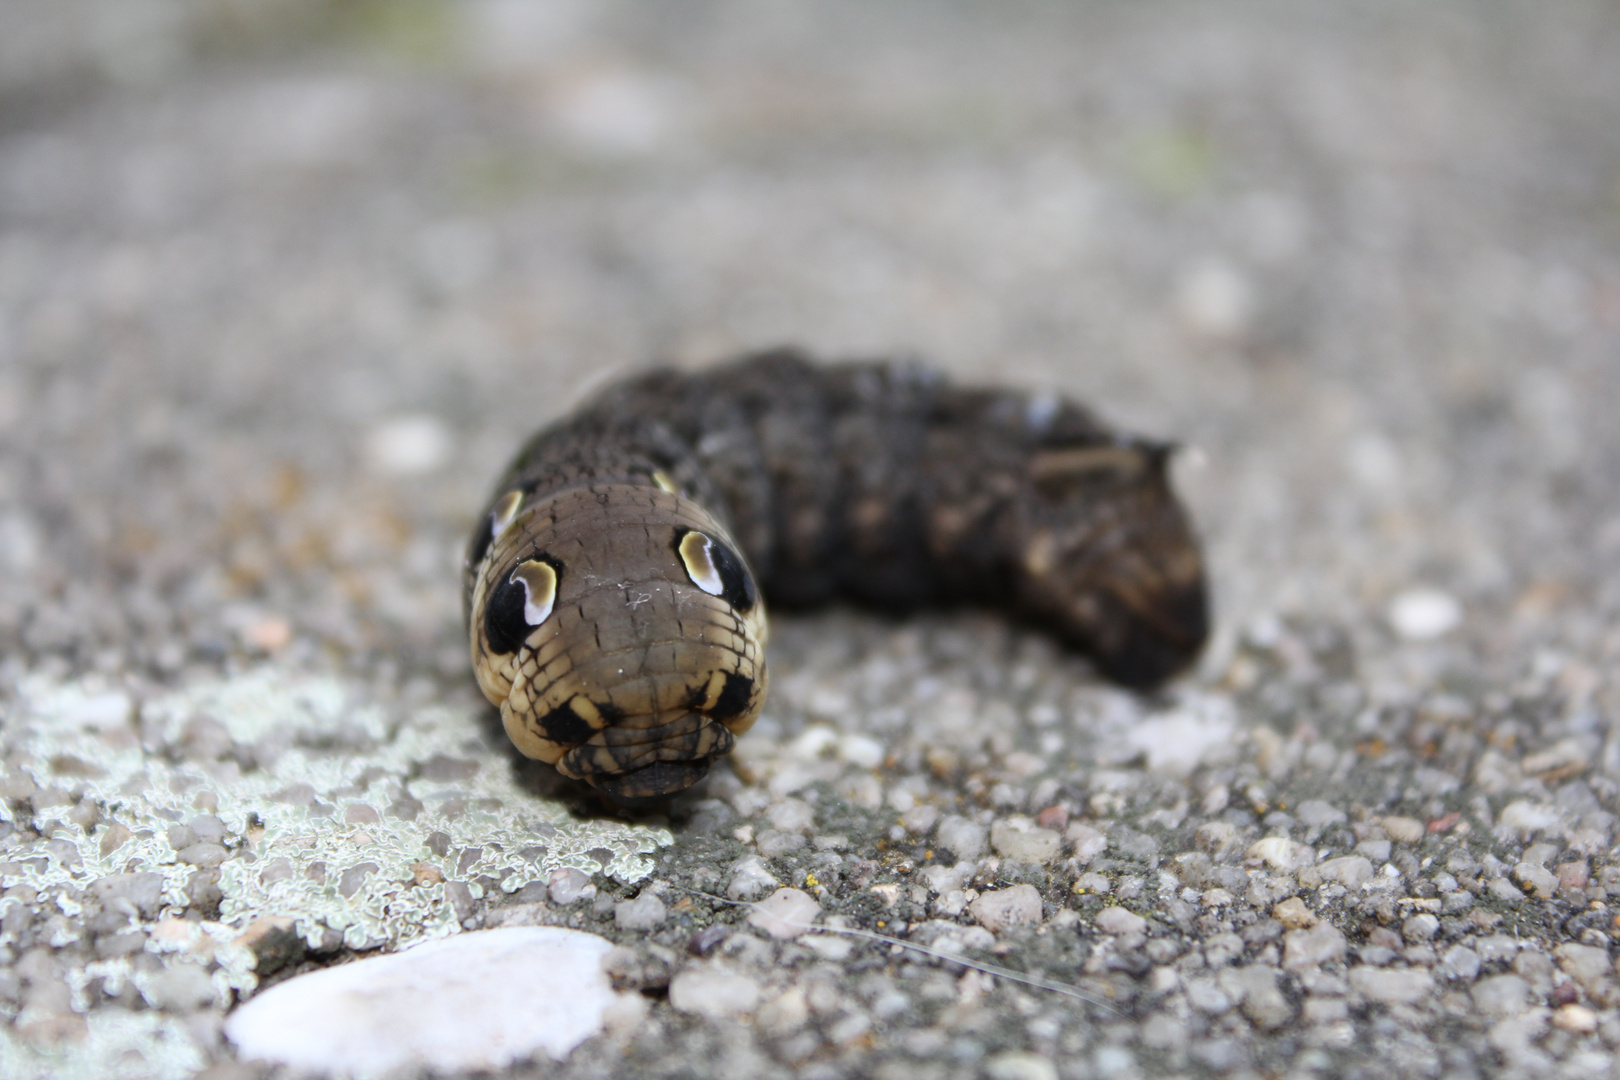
(877, 482)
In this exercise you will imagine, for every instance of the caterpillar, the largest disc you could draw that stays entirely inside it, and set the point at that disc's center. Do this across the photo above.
(614, 587)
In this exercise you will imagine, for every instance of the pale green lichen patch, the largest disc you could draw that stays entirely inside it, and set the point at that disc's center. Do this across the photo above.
(291, 796)
(129, 1045)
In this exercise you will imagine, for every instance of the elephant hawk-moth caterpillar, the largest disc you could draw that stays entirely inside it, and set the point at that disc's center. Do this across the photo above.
(613, 587)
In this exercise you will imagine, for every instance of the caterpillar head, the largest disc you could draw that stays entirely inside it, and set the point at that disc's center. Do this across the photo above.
(620, 633)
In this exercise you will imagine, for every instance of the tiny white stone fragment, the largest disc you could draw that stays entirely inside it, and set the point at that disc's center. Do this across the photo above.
(1215, 299)
(1120, 922)
(1019, 905)
(712, 993)
(1281, 853)
(1018, 1065)
(1424, 614)
(410, 445)
(1021, 840)
(645, 912)
(476, 1001)
(862, 751)
(100, 712)
(961, 837)
(785, 914)
(1178, 742)
(750, 878)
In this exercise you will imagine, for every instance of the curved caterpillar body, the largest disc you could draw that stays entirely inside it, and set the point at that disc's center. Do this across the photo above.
(613, 587)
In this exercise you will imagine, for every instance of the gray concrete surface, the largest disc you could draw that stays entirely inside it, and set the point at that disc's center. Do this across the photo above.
(283, 283)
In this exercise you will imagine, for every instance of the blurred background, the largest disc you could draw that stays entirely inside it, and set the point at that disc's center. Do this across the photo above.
(283, 282)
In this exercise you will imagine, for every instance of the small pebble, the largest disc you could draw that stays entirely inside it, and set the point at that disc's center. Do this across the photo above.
(1351, 871)
(1424, 614)
(1019, 839)
(179, 988)
(920, 819)
(1316, 813)
(1576, 1019)
(1120, 922)
(1085, 841)
(1392, 986)
(715, 994)
(1586, 964)
(477, 1001)
(792, 815)
(1404, 830)
(1537, 879)
(410, 445)
(568, 885)
(1459, 962)
(1306, 950)
(1293, 914)
(750, 879)
(963, 838)
(1019, 905)
(642, 913)
(1280, 853)
(785, 914)
(1055, 818)
(1019, 1065)
(1500, 995)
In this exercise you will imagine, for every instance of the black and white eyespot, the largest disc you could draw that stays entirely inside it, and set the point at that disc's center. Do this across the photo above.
(496, 522)
(716, 569)
(519, 604)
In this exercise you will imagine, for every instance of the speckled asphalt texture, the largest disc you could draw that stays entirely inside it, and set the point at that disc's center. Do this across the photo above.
(283, 283)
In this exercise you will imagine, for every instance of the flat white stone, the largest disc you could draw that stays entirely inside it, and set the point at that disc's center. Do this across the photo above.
(474, 1001)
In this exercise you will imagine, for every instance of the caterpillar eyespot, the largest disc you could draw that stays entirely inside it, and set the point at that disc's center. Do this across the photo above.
(715, 569)
(878, 482)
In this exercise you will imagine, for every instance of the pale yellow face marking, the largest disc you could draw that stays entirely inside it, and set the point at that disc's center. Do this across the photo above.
(699, 566)
(1038, 557)
(1124, 462)
(504, 513)
(665, 484)
(540, 590)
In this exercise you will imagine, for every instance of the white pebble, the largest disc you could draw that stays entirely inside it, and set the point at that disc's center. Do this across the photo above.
(1392, 986)
(862, 751)
(1281, 853)
(1577, 1019)
(1179, 741)
(476, 1001)
(1021, 840)
(409, 445)
(1019, 905)
(1351, 871)
(1018, 1065)
(1424, 614)
(1215, 299)
(792, 815)
(1120, 922)
(785, 914)
(643, 913)
(711, 993)
(568, 885)
(961, 837)
(750, 878)
(102, 712)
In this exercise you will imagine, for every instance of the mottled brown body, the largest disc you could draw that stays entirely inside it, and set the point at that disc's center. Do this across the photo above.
(879, 482)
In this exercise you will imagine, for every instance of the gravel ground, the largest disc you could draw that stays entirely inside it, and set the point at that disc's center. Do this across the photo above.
(282, 284)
